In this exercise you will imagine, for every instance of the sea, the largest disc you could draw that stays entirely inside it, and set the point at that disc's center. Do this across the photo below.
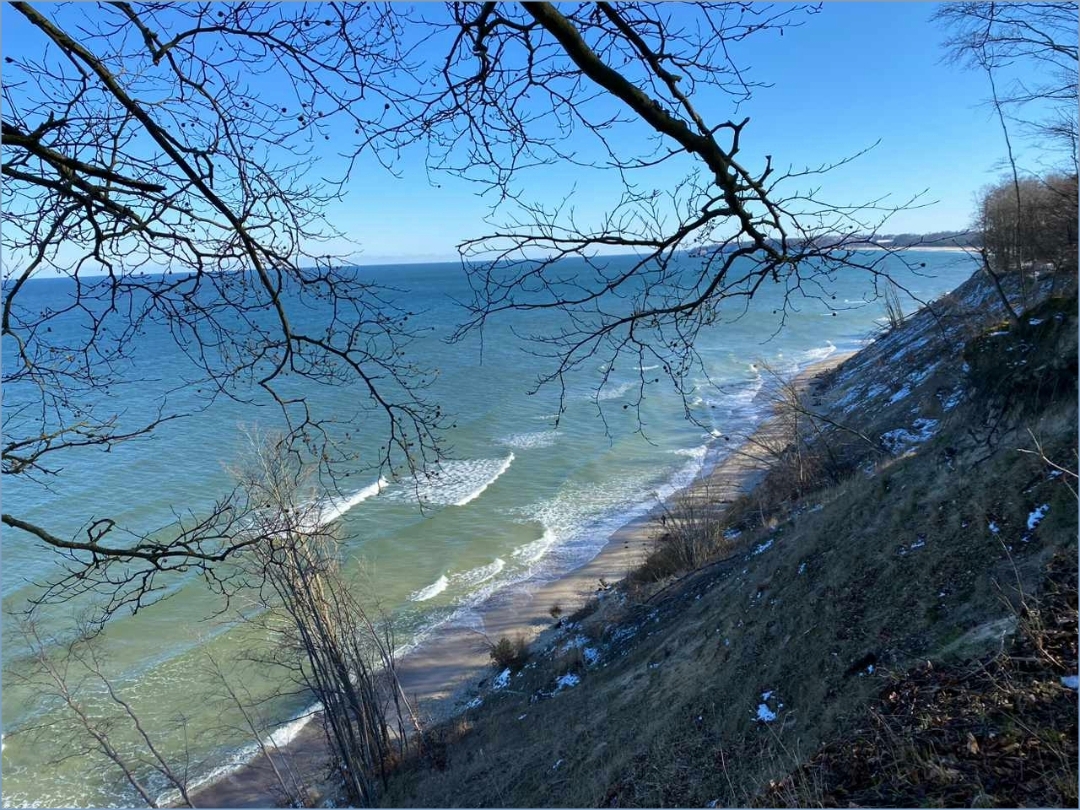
(525, 495)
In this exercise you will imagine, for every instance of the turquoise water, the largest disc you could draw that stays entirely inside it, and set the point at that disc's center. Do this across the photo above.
(518, 501)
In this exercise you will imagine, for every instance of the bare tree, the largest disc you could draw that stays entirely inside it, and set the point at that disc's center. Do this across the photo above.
(647, 87)
(134, 142)
(102, 721)
(995, 37)
(237, 697)
(1014, 219)
(1039, 234)
(324, 639)
(177, 200)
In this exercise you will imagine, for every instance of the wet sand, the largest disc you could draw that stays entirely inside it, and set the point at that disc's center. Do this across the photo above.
(441, 673)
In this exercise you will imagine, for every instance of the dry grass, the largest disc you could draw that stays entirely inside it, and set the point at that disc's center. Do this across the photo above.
(1000, 731)
(892, 565)
(692, 534)
(512, 654)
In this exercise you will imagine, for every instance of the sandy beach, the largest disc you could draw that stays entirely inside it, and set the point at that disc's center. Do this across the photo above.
(442, 672)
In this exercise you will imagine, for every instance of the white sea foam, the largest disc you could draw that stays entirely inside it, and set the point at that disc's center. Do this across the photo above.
(431, 591)
(609, 392)
(481, 574)
(579, 520)
(531, 440)
(737, 396)
(334, 508)
(692, 452)
(534, 551)
(279, 738)
(454, 483)
(476, 493)
(819, 354)
(287, 733)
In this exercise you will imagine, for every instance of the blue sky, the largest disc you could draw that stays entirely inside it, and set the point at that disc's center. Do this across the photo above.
(851, 75)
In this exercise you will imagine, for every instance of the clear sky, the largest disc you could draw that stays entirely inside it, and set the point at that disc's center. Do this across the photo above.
(853, 74)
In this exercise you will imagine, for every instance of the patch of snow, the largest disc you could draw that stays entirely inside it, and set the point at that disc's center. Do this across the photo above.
(802, 568)
(870, 669)
(567, 681)
(576, 643)
(900, 439)
(555, 767)
(848, 401)
(918, 377)
(591, 655)
(1071, 681)
(731, 534)
(1035, 518)
(953, 399)
(762, 548)
(994, 527)
(1034, 321)
(997, 334)
(899, 395)
(476, 701)
(875, 391)
(918, 543)
(502, 680)
(965, 368)
(765, 714)
(767, 695)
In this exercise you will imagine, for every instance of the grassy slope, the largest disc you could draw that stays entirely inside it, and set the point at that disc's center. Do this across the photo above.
(858, 584)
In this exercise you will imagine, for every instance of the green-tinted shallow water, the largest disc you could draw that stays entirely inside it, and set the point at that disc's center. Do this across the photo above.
(520, 502)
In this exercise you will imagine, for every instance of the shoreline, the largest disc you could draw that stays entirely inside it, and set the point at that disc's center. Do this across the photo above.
(442, 671)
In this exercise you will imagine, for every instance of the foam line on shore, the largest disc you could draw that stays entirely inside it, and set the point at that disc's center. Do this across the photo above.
(525, 559)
